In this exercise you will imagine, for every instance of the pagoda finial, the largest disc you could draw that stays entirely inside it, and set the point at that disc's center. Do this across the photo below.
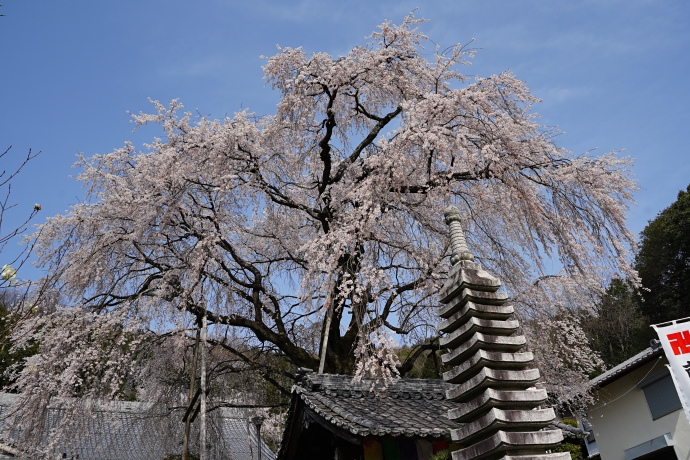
(460, 251)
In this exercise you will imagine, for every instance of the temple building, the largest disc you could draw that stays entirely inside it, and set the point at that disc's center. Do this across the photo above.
(332, 417)
(485, 408)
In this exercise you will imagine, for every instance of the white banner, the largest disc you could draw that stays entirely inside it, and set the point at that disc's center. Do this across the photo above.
(675, 338)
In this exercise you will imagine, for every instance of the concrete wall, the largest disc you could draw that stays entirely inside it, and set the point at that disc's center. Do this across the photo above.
(626, 422)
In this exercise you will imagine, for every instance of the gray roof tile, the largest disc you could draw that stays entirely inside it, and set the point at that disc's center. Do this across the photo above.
(406, 408)
(409, 408)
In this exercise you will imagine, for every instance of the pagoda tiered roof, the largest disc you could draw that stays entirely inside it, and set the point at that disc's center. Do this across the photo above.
(493, 377)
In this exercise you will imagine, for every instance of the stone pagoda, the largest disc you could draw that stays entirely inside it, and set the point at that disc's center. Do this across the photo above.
(493, 377)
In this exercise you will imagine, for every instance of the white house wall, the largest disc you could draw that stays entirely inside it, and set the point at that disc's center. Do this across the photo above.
(622, 420)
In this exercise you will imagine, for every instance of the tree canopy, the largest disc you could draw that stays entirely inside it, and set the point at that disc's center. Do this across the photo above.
(619, 325)
(616, 328)
(325, 218)
(663, 262)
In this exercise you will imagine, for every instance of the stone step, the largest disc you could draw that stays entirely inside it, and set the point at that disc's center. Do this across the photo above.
(510, 442)
(493, 359)
(485, 326)
(497, 419)
(471, 309)
(509, 380)
(479, 341)
(462, 296)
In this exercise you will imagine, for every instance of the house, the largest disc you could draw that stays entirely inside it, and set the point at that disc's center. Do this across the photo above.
(332, 417)
(133, 430)
(637, 413)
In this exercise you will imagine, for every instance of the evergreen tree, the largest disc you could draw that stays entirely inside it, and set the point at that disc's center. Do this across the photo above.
(617, 330)
(663, 263)
(619, 327)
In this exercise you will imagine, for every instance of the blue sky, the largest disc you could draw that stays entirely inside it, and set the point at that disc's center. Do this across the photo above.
(612, 74)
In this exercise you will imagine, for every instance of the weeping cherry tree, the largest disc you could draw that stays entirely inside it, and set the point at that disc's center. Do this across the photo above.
(322, 224)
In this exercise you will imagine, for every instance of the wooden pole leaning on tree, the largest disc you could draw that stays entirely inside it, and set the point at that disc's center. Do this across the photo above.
(324, 343)
(491, 374)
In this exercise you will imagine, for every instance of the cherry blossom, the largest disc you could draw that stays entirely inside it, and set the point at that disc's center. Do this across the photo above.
(333, 205)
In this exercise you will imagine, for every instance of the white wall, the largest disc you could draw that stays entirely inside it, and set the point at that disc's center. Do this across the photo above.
(622, 420)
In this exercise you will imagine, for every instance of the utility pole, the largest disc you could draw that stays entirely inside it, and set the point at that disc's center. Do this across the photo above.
(190, 400)
(202, 422)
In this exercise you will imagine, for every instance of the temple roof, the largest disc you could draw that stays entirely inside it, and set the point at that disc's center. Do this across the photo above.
(407, 407)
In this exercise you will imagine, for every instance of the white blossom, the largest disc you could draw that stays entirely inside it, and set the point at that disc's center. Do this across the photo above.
(333, 202)
(8, 272)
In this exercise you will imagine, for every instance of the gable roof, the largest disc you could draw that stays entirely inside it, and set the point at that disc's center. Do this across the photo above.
(626, 366)
(133, 430)
(407, 407)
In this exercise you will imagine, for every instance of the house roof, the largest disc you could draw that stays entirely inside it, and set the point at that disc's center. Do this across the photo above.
(406, 407)
(626, 366)
(135, 430)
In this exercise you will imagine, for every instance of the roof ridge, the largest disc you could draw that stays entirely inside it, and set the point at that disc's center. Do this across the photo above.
(625, 365)
(346, 383)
